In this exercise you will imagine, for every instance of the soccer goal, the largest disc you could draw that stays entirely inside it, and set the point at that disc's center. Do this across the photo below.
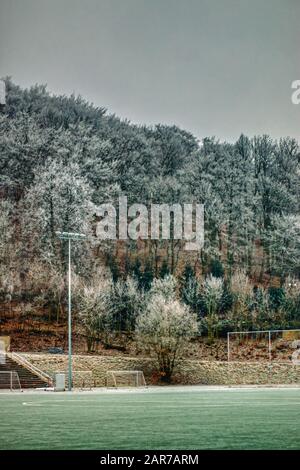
(125, 378)
(10, 380)
(268, 345)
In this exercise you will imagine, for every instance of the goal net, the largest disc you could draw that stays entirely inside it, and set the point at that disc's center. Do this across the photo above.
(125, 378)
(10, 380)
(264, 345)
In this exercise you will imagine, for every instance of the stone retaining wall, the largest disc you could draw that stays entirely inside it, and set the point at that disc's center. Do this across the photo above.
(188, 372)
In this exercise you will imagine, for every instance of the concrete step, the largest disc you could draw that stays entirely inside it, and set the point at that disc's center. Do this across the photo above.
(27, 378)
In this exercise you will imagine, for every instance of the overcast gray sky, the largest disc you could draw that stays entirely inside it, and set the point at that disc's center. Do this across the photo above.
(214, 67)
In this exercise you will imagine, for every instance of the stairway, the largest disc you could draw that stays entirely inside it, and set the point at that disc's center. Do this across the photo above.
(27, 378)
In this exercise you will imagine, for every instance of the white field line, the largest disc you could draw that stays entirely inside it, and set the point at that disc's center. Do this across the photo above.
(161, 390)
(175, 405)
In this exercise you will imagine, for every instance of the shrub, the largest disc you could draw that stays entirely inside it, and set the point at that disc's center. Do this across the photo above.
(191, 294)
(216, 268)
(242, 297)
(166, 328)
(94, 312)
(164, 270)
(277, 297)
(165, 287)
(212, 294)
(190, 289)
(126, 301)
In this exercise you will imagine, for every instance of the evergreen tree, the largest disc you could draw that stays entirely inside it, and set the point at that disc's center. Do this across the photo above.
(164, 270)
(148, 275)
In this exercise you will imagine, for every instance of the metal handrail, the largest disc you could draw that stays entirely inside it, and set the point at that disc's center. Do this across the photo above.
(27, 365)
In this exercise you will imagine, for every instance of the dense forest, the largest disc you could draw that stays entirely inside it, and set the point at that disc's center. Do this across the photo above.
(61, 156)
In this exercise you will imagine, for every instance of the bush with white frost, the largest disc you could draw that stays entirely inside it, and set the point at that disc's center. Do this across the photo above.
(165, 287)
(212, 296)
(166, 328)
(94, 313)
(242, 296)
(126, 301)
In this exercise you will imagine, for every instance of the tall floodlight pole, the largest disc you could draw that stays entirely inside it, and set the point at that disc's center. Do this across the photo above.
(70, 236)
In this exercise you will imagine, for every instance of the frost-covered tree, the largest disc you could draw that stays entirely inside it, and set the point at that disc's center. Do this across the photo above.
(190, 289)
(166, 328)
(8, 276)
(58, 200)
(242, 291)
(60, 156)
(93, 304)
(125, 303)
(166, 287)
(212, 295)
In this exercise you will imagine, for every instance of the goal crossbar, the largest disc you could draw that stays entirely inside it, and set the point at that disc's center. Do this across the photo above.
(134, 378)
(268, 334)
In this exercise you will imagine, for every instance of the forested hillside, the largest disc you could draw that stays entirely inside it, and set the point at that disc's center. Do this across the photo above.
(61, 156)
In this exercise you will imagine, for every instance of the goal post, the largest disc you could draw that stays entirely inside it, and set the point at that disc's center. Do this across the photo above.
(263, 344)
(125, 378)
(10, 380)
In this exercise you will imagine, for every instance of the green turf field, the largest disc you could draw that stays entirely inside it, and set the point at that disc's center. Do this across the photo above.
(152, 419)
